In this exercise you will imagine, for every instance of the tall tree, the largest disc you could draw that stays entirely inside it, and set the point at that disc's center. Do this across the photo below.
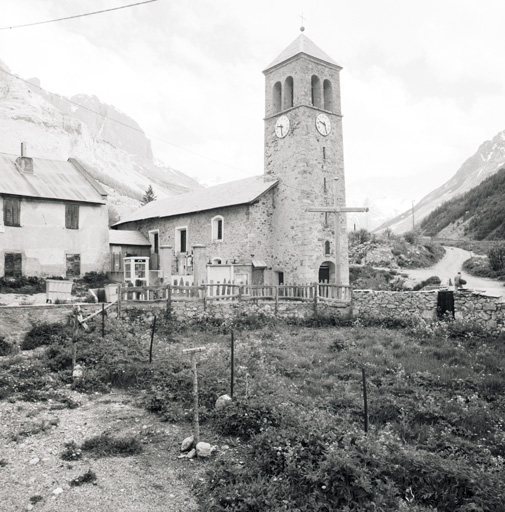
(148, 196)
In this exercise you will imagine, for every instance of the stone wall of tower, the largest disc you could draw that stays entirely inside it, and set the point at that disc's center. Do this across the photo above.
(306, 164)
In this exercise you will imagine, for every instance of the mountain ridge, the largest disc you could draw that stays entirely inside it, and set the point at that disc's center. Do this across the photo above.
(486, 161)
(108, 142)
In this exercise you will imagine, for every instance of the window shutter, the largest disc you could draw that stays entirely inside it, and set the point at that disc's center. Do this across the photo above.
(72, 216)
(18, 262)
(12, 211)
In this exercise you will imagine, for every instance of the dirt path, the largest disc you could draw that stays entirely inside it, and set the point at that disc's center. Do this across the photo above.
(448, 267)
(32, 468)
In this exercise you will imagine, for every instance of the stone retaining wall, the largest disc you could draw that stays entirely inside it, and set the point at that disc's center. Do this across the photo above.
(488, 312)
(16, 321)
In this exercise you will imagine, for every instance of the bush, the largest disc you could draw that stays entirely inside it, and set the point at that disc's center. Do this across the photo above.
(41, 334)
(86, 478)
(71, 452)
(246, 418)
(22, 284)
(496, 257)
(5, 347)
(106, 445)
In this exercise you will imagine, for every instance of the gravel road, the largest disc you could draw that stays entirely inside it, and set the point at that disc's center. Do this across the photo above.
(449, 266)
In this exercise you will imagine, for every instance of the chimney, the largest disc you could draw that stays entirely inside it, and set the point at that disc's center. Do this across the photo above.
(23, 162)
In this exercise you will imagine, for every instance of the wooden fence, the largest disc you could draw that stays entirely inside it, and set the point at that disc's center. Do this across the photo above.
(229, 291)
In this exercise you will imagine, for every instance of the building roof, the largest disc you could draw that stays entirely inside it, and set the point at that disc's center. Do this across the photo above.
(51, 179)
(302, 44)
(127, 237)
(227, 194)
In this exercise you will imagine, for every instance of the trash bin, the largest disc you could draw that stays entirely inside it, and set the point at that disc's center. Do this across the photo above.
(110, 292)
(57, 289)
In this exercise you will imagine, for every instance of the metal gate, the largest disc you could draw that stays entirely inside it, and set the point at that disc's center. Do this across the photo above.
(445, 303)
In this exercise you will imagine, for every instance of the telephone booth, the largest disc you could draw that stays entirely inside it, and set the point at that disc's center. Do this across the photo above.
(136, 270)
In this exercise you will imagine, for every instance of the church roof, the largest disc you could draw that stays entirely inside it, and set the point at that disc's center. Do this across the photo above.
(219, 196)
(302, 44)
(127, 237)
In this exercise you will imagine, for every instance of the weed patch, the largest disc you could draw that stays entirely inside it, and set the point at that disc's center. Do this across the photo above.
(87, 478)
(105, 445)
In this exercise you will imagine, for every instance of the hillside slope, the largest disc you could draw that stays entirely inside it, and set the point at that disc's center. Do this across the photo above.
(489, 158)
(119, 157)
(478, 214)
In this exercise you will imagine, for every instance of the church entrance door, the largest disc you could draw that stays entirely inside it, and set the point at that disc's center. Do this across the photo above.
(326, 272)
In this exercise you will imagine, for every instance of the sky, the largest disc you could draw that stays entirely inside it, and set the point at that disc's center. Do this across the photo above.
(423, 83)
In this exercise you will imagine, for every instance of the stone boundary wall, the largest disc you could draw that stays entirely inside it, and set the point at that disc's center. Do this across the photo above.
(16, 321)
(488, 312)
(228, 310)
(385, 304)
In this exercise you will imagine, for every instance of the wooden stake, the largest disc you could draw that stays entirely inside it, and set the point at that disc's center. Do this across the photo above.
(196, 422)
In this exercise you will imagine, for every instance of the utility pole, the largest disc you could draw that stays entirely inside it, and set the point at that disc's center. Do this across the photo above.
(337, 210)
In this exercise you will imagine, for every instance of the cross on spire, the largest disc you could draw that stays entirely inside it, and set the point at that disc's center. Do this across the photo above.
(302, 17)
(337, 210)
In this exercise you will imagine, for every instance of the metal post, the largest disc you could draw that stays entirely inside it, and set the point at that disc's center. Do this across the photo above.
(103, 319)
(232, 363)
(152, 340)
(365, 401)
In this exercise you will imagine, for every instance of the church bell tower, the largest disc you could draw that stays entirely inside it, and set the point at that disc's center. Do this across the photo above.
(304, 152)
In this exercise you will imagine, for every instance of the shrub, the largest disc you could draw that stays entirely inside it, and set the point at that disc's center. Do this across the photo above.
(496, 257)
(5, 347)
(106, 445)
(41, 334)
(71, 452)
(246, 418)
(86, 478)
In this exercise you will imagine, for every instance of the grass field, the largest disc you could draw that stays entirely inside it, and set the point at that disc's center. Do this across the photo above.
(436, 407)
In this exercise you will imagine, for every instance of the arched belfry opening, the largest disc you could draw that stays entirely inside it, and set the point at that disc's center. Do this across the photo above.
(315, 85)
(328, 95)
(287, 97)
(277, 97)
(326, 272)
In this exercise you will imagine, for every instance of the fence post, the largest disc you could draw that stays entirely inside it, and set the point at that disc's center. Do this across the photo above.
(103, 319)
(152, 340)
(365, 401)
(169, 300)
(204, 297)
(316, 288)
(276, 297)
(119, 300)
(232, 363)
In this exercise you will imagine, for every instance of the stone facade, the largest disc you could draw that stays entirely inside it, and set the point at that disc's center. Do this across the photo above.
(247, 234)
(306, 164)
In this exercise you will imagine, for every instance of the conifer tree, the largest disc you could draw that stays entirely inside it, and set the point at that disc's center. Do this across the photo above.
(148, 196)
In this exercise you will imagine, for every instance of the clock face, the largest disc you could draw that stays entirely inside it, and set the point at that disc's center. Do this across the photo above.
(282, 127)
(323, 124)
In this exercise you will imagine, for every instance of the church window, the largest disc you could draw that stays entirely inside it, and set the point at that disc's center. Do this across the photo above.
(316, 91)
(217, 228)
(325, 219)
(288, 93)
(324, 153)
(327, 248)
(277, 97)
(324, 185)
(181, 239)
(328, 95)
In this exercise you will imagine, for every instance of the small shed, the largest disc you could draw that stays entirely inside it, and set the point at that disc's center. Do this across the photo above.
(125, 244)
